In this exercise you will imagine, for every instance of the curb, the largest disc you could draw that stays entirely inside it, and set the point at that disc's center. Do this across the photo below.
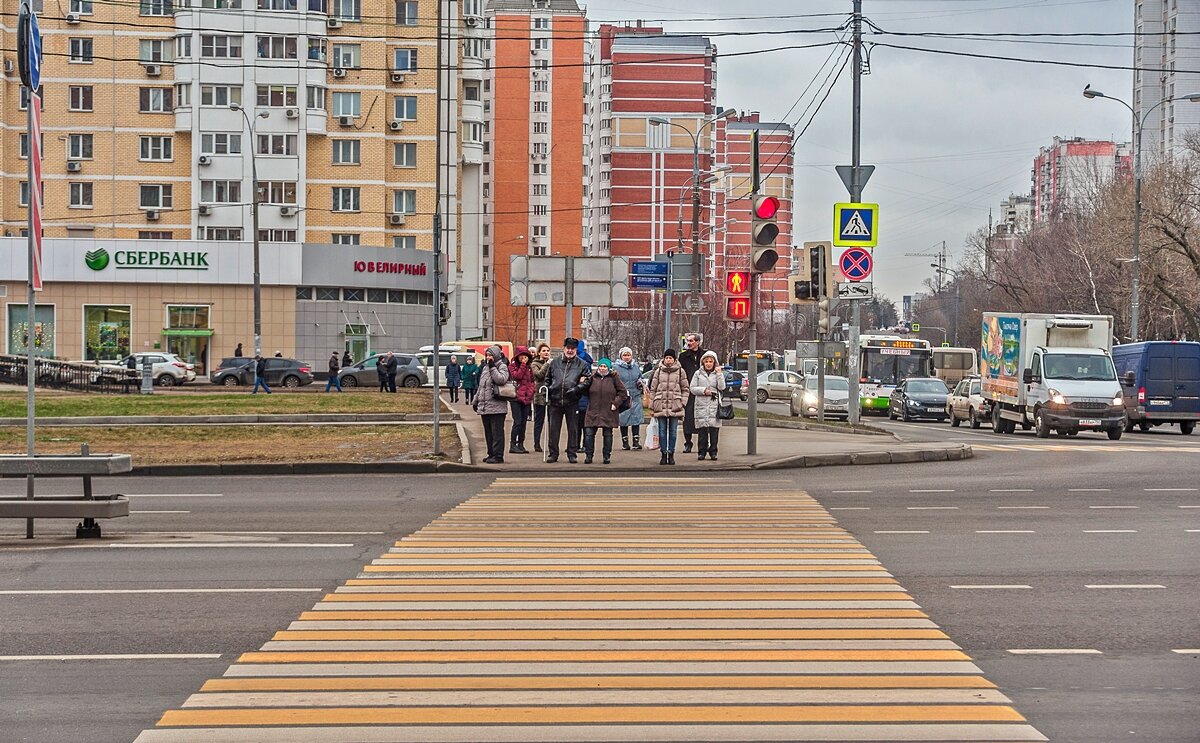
(804, 425)
(219, 420)
(953, 453)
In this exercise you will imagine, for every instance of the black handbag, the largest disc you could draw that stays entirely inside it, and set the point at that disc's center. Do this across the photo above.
(724, 409)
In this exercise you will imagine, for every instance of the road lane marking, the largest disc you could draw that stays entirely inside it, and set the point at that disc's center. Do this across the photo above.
(1012, 490)
(1110, 531)
(931, 491)
(116, 656)
(1004, 531)
(106, 591)
(1089, 490)
(174, 495)
(992, 586)
(850, 491)
(1170, 490)
(933, 508)
(1055, 651)
(133, 512)
(1188, 506)
(1113, 507)
(851, 508)
(1187, 651)
(229, 545)
(902, 532)
(1129, 585)
(1022, 508)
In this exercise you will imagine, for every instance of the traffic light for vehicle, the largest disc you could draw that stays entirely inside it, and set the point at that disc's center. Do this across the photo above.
(764, 229)
(823, 315)
(444, 308)
(737, 309)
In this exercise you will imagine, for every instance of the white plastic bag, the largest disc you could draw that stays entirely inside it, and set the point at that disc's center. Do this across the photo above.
(652, 435)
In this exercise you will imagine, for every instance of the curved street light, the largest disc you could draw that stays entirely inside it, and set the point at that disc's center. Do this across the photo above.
(254, 224)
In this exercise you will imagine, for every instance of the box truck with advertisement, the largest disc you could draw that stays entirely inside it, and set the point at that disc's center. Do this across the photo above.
(1051, 373)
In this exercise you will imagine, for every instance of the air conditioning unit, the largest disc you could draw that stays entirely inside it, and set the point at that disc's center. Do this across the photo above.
(72, 18)
(534, 51)
(293, 113)
(471, 21)
(339, 72)
(543, 156)
(74, 166)
(8, 65)
(152, 216)
(287, 211)
(205, 160)
(153, 70)
(346, 121)
(396, 219)
(333, 23)
(204, 210)
(397, 77)
(396, 125)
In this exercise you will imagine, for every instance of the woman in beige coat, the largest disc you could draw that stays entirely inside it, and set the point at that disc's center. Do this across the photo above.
(668, 400)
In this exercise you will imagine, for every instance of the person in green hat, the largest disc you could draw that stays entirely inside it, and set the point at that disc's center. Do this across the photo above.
(607, 397)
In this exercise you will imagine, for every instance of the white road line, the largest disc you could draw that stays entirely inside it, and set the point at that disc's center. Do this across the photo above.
(1189, 506)
(850, 508)
(116, 656)
(931, 491)
(933, 508)
(1012, 490)
(229, 545)
(133, 512)
(1187, 651)
(102, 591)
(1112, 507)
(1025, 508)
(1191, 531)
(850, 491)
(995, 586)
(1110, 531)
(1089, 490)
(1118, 585)
(1055, 651)
(265, 533)
(1170, 490)
(1004, 531)
(901, 532)
(174, 495)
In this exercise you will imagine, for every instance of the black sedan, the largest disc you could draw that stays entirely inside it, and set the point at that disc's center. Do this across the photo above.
(919, 398)
(234, 372)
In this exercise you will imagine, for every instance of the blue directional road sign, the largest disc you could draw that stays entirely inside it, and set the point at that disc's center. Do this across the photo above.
(649, 274)
(29, 48)
(856, 225)
(856, 264)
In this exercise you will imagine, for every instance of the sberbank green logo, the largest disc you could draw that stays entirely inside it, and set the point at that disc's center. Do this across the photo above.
(97, 259)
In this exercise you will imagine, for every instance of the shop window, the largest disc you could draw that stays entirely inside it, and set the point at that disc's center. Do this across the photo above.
(328, 295)
(106, 331)
(304, 292)
(188, 317)
(396, 296)
(43, 330)
(352, 295)
(378, 296)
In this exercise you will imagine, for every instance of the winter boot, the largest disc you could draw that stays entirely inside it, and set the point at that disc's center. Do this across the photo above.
(637, 433)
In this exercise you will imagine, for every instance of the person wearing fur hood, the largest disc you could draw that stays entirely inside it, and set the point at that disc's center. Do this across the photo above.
(706, 386)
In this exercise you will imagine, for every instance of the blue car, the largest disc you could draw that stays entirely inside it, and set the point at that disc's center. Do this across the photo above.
(735, 384)
(1160, 383)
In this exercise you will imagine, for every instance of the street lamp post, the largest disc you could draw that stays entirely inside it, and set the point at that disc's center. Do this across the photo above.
(1138, 125)
(696, 266)
(254, 225)
(941, 270)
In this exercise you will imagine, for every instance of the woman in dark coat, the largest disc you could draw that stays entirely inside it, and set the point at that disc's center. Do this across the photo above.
(606, 393)
(521, 373)
(453, 378)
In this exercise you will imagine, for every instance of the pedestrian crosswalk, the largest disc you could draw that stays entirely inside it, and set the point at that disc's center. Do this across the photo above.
(610, 610)
(1097, 447)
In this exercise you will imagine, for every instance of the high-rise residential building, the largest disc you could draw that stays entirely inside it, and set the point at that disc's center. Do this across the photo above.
(1070, 172)
(732, 220)
(1166, 60)
(533, 169)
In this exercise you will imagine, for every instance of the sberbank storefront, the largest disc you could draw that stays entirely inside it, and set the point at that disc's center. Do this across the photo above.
(104, 299)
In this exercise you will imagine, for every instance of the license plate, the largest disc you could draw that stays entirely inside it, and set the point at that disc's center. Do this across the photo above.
(1089, 422)
(1160, 402)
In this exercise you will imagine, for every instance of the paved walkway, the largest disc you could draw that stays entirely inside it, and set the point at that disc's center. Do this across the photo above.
(629, 610)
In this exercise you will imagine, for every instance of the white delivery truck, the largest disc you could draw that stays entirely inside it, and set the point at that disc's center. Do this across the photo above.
(1051, 373)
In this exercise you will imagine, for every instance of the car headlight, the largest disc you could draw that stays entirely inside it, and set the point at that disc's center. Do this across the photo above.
(1118, 400)
(913, 403)
(1056, 397)
(810, 398)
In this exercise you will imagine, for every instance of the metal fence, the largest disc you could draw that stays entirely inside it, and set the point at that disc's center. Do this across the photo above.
(64, 375)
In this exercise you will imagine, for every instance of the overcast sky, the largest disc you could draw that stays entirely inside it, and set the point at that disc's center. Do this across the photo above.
(950, 136)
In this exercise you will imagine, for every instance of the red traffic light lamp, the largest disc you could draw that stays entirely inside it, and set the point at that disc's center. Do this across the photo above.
(737, 309)
(737, 282)
(764, 229)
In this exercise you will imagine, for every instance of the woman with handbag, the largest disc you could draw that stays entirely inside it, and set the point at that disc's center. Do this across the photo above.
(491, 401)
(707, 384)
(634, 416)
(521, 374)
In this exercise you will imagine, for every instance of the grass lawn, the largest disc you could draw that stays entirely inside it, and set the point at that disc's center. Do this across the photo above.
(257, 443)
(54, 404)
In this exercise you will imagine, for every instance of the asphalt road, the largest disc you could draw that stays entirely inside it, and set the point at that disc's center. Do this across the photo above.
(1007, 552)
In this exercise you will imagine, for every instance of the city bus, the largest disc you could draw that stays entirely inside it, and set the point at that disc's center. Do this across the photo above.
(764, 361)
(884, 362)
(952, 365)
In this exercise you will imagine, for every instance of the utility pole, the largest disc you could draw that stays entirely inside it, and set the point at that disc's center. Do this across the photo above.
(856, 187)
(443, 92)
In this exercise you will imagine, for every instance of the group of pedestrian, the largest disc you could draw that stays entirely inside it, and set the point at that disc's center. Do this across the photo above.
(591, 399)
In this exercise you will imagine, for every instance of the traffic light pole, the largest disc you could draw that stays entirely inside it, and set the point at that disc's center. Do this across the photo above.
(752, 372)
(821, 289)
(856, 187)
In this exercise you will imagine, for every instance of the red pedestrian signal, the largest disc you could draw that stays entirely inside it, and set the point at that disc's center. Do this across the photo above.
(737, 282)
(737, 309)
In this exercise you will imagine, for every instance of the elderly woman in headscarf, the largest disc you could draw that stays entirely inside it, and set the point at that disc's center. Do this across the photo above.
(634, 417)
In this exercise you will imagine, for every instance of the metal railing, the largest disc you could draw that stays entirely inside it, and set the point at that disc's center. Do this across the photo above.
(66, 375)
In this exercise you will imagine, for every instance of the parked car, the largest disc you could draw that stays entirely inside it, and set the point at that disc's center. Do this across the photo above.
(966, 403)
(735, 383)
(837, 398)
(424, 359)
(167, 370)
(364, 374)
(1160, 384)
(919, 397)
(776, 384)
(239, 370)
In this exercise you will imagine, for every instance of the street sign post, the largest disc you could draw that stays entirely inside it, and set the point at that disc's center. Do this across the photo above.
(856, 290)
(856, 264)
(567, 281)
(649, 274)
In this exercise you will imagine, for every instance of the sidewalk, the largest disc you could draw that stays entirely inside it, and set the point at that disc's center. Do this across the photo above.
(778, 448)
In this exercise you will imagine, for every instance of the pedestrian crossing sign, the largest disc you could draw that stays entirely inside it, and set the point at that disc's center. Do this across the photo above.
(856, 225)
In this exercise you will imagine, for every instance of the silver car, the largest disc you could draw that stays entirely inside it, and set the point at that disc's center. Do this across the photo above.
(837, 398)
(777, 385)
(966, 403)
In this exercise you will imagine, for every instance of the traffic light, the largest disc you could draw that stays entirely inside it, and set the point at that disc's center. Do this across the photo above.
(823, 315)
(764, 229)
(737, 309)
(444, 308)
(737, 282)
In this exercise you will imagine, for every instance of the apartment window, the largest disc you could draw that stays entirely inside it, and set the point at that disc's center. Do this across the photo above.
(541, 189)
(315, 97)
(183, 47)
(154, 100)
(405, 60)
(347, 56)
(346, 199)
(316, 50)
(347, 10)
(277, 144)
(276, 47)
(405, 241)
(472, 132)
(540, 210)
(473, 48)
(541, 43)
(156, 148)
(541, 86)
(539, 148)
(155, 235)
(346, 238)
(404, 154)
(346, 151)
(221, 4)
(79, 146)
(80, 50)
(155, 196)
(220, 95)
(471, 92)
(406, 13)
(404, 107)
(221, 143)
(606, 141)
(472, 7)
(541, 107)
(23, 199)
(277, 192)
(540, 231)
(606, 193)
(276, 95)
(347, 104)
(220, 46)
(80, 195)
(276, 4)
(183, 94)
(23, 140)
(277, 236)
(220, 192)
(156, 7)
(224, 234)
(79, 97)
(541, 127)
(541, 24)
(404, 201)
(80, 7)
(541, 169)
